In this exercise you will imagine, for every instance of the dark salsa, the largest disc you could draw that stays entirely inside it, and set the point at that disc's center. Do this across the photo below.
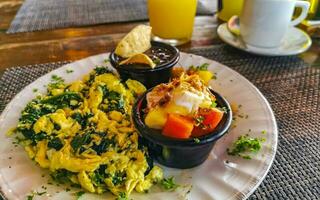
(159, 55)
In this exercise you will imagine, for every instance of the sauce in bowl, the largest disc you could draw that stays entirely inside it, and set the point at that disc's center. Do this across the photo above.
(165, 56)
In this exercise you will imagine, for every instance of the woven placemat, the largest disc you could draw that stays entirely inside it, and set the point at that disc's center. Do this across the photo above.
(291, 87)
(35, 15)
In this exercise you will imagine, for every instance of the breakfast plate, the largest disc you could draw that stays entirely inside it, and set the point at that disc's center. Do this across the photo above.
(221, 176)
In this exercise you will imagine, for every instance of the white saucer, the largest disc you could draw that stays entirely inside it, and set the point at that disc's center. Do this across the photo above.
(295, 41)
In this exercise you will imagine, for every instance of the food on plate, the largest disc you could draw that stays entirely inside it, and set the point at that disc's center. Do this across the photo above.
(183, 108)
(181, 119)
(151, 67)
(245, 145)
(136, 50)
(135, 42)
(138, 58)
(132, 47)
(201, 70)
(82, 132)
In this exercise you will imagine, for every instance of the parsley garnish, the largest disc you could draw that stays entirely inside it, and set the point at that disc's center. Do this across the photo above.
(199, 120)
(34, 90)
(203, 67)
(224, 109)
(40, 193)
(33, 193)
(157, 61)
(30, 197)
(56, 82)
(122, 196)
(56, 78)
(79, 194)
(213, 104)
(69, 71)
(168, 183)
(244, 145)
(196, 140)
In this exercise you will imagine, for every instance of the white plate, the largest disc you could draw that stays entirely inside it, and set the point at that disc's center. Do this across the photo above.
(214, 179)
(295, 41)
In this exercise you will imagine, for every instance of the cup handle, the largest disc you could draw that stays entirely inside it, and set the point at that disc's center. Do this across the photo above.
(304, 5)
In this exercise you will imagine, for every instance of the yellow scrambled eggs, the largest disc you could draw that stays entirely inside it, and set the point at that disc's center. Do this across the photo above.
(82, 132)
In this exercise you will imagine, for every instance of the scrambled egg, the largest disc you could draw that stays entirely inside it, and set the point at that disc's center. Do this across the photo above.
(82, 132)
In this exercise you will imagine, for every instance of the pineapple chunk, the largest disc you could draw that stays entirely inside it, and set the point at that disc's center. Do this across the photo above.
(206, 76)
(156, 118)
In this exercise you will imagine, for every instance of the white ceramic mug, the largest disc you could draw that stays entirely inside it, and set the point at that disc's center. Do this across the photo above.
(263, 23)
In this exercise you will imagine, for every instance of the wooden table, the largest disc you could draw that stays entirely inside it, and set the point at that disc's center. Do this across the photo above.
(76, 43)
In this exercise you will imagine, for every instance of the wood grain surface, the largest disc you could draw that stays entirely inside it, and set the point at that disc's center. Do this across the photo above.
(76, 43)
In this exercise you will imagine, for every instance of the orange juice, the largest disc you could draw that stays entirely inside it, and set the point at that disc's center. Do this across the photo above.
(228, 8)
(172, 19)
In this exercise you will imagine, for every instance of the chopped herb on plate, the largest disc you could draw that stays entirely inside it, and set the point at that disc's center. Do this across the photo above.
(168, 183)
(245, 145)
(79, 194)
(196, 140)
(68, 71)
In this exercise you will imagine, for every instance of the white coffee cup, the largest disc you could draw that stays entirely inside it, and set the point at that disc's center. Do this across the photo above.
(264, 23)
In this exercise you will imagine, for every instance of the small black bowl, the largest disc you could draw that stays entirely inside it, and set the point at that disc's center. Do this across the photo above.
(147, 76)
(179, 153)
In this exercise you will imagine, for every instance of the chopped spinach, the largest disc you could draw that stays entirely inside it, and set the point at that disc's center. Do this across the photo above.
(62, 176)
(83, 120)
(99, 175)
(56, 126)
(56, 82)
(33, 111)
(102, 70)
(80, 140)
(119, 178)
(103, 146)
(79, 194)
(63, 100)
(31, 135)
(115, 100)
(55, 143)
(122, 196)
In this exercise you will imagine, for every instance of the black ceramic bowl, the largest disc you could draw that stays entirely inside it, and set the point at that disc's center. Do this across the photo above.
(180, 153)
(149, 77)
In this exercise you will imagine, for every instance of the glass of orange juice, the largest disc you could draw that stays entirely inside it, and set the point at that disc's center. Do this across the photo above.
(172, 20)
(228, 8)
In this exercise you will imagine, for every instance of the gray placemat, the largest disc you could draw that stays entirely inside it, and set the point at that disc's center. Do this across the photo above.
(291, 87)
(35, 15)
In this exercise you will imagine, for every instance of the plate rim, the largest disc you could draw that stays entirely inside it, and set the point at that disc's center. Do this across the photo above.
(257, 183)
(253, 185)
(265, 53)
